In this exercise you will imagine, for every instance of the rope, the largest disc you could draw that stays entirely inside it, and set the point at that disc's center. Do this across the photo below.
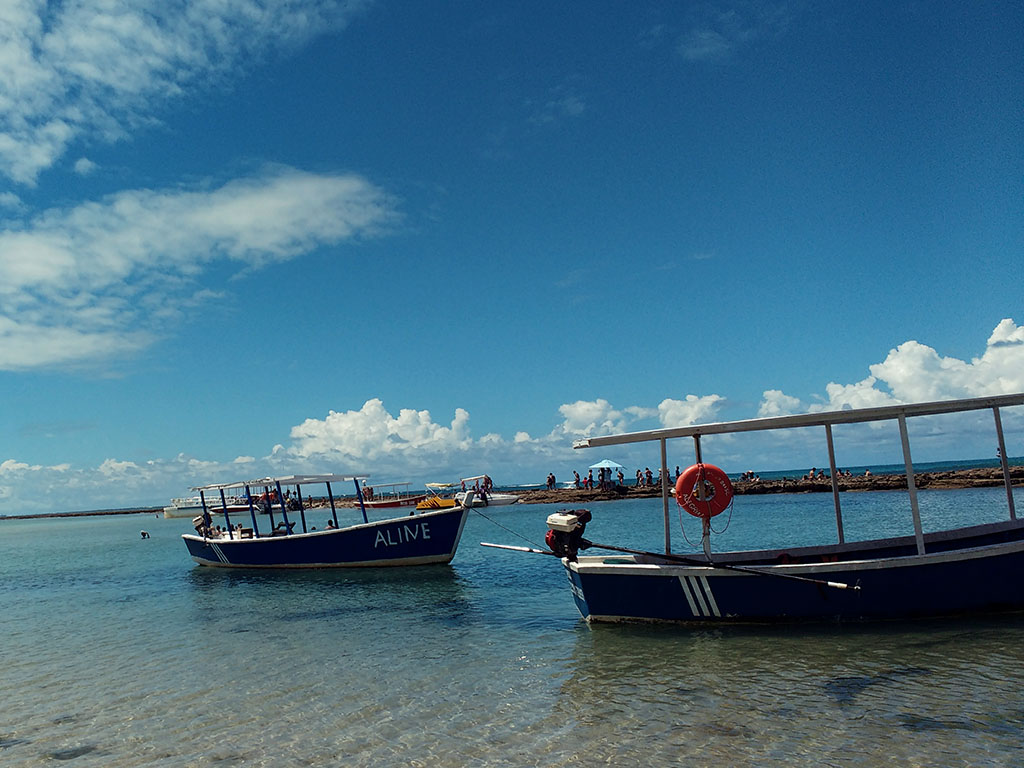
(507, 529)
(682, 528)
(729, 520)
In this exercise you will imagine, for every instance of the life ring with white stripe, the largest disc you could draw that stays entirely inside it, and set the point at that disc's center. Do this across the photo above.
(704, 490)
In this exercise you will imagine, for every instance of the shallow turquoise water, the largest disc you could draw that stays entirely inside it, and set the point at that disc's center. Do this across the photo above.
(119, 651)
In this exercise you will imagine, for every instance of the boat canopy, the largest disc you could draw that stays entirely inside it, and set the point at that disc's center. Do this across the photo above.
(472, 479)
(899, 413)
(283, 480)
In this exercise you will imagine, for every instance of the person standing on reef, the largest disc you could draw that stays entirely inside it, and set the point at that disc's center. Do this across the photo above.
(576, 478)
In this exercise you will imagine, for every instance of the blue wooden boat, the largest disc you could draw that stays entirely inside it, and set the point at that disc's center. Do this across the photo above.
(954, 572)
(289, 537)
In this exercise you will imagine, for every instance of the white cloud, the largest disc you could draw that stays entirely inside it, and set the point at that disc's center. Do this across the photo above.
(11, 467)
(103, 68)
(84, 166)
(77, 284)
(916, 373)
(372, 433)
(692, 410)
(775, 403)
(10, 200)
(594, 417)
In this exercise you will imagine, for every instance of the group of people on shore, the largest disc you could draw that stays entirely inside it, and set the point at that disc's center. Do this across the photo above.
(820, 474)
(606, 479)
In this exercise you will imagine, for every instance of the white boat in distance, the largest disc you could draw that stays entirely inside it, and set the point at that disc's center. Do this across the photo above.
(184, 507)
(479, 497)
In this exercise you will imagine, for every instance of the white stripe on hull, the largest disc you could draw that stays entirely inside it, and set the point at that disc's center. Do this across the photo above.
(699, 596)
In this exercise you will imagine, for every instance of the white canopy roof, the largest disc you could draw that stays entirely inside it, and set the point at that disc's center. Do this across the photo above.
(283, 480)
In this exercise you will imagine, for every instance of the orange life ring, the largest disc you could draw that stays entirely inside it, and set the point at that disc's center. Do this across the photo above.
(717, 490)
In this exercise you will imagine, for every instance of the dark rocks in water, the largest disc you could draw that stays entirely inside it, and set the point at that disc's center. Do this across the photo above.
(72, 753)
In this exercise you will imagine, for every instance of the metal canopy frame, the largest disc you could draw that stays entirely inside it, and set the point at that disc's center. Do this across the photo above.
(900, 413)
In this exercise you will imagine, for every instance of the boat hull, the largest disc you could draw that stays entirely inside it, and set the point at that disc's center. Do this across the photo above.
(493, 499)
(423, 539)
(981, 572)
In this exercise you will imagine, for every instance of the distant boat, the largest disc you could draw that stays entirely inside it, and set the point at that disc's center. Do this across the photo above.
(391, 495)
(184, 507)
(439, 496)
(961, 571)
(193, 505)
(417, 539)
(481, 497)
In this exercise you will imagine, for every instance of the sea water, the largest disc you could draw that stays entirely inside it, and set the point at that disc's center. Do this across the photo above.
(119, 651)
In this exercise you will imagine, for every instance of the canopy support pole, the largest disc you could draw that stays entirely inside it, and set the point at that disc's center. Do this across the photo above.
(911, 487)
(334, 512)
(664, 496)
(252, 512)
(1006, 465)
(227, 520)
(302, 509)
(284, 510)
(835, 482)
(359, 498)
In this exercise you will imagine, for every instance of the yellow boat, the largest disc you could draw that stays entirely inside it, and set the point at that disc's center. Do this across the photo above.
(437, 498)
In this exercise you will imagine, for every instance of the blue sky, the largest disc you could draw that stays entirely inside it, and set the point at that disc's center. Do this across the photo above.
(425, 240)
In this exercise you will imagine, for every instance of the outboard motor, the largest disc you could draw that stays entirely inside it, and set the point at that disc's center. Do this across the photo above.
(565, 532)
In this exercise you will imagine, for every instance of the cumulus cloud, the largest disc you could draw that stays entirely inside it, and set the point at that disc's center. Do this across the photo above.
(372, 432)
(585, 418)
(776, 403)
(914, 373)
(692, 410)
(101, 69)
(77, 284)
(84, 166)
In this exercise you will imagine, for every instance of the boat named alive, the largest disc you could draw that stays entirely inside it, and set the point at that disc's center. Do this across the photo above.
(415, 539)
(968, 570)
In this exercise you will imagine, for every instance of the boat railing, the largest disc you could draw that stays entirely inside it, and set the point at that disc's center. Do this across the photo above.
(273, 495)
(827, 419)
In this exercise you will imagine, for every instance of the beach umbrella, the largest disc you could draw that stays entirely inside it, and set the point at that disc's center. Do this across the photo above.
(606, 464)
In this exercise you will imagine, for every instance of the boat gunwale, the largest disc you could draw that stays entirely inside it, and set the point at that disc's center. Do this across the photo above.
(589, 564)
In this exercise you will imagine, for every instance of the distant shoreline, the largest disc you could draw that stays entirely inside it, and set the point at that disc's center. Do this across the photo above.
(91, 513)
(982, 477)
